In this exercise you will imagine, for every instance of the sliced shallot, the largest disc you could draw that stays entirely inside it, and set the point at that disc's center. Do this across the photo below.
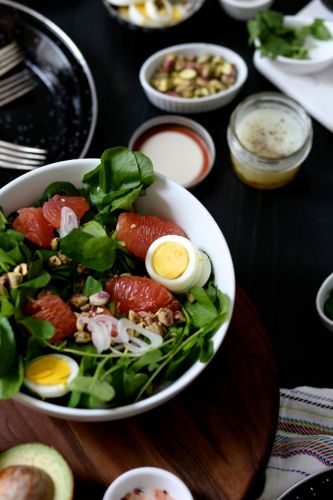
(68, 221)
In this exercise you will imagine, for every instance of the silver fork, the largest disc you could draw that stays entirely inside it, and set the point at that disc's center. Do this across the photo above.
(21, 157)
(10, 56)
(15, 86)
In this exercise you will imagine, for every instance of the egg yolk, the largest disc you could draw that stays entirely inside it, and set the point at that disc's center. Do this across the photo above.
(170, 260)
(48, 371)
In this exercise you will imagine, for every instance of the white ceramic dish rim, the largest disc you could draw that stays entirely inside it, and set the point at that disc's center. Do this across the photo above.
(154, 472)
(80, 414)
(241, 4)
(113, 10)
(321, 296)
(187, 122)
(207, 48)
(300, 21)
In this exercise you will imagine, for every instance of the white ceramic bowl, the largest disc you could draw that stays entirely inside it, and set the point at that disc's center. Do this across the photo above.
(147, 478)
(242, 10)
(192, 7)
(322, 296)
(187, 105)
(320, 52)
(163, 198)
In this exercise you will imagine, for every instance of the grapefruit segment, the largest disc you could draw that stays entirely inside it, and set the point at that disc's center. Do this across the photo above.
(52, 308)
(139, 231)
(52, 208)
(33, 225)
(138, 293)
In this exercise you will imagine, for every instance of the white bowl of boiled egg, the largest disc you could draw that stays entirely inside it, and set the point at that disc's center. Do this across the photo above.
(205, 246)
(152, 14)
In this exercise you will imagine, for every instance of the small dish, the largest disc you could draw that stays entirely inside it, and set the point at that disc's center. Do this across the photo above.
(320, 52)
(141, 15)
(60, 113)
(187, 161)
(322, 296)
(148, 478)
(242, 10)
(175, 104)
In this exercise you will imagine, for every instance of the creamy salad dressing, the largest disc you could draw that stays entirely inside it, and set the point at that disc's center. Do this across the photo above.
(270, 133)
(177, 154)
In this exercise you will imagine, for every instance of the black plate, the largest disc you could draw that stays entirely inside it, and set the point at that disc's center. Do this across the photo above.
(60, 113)
(318, 486)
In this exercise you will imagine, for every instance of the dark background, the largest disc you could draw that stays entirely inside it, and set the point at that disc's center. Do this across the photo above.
(281, 241)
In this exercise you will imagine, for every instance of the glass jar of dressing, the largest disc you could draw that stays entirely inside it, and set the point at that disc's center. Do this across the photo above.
(269, 136)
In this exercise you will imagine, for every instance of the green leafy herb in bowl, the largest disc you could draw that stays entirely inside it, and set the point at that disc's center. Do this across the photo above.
(275, 36)
(293, 44)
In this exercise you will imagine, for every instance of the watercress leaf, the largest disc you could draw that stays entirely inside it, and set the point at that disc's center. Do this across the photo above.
(6, 306)
(39, 282)
(182, 363)
(7, 346)
(92, 178)
(63, 188)
(94, 387)
(206, 350)
(145, 168)
(39, 328)
(91, 286)
(94, 228)
(35, 348)
(3, 219)
(147, 358)
(11, 382)
(94, 252)
(118, 170)
(126, 201)
(133, 382)
(6, 260)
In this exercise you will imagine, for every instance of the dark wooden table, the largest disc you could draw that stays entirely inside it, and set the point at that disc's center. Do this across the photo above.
(216, 435)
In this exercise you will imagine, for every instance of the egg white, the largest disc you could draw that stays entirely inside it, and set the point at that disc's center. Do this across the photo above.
(56, 390)
(196, 273)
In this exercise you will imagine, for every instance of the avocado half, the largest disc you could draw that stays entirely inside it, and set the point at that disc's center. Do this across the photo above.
(46, 458)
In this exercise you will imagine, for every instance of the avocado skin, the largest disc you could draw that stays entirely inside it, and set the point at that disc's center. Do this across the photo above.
(23, 482)
(46, 458)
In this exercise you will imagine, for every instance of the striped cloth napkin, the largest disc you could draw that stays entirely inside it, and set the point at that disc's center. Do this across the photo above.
(304, 439)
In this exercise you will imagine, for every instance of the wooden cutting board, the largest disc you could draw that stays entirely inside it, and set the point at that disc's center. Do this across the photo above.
(216, 435)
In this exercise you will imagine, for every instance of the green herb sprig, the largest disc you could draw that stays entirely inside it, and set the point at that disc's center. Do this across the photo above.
(274, 38)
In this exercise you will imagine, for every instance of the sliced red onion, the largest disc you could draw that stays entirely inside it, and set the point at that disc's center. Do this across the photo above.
(101, 327)
(134, 344)
(68, 221)
(99, 298)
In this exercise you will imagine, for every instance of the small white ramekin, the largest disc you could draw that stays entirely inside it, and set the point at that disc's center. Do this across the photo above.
(148, 478)
(242, 10)
(192, 105)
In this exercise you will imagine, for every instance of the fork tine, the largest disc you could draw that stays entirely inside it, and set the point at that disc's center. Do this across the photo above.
(17, 92)
(25, 149)
(4, 164)
(18, 155)
(15, 79)
(9, 54)
(8, 48)
(20, 161)
(4, 69)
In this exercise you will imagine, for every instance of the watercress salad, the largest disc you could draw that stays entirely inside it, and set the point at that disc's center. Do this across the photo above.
(86, 258)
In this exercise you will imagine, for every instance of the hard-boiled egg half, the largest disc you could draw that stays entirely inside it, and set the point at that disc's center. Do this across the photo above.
(49, 375)
(173, 261)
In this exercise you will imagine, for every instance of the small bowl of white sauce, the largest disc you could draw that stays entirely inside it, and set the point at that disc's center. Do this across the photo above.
(180, 148)
(148, 483)
(269, 136)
